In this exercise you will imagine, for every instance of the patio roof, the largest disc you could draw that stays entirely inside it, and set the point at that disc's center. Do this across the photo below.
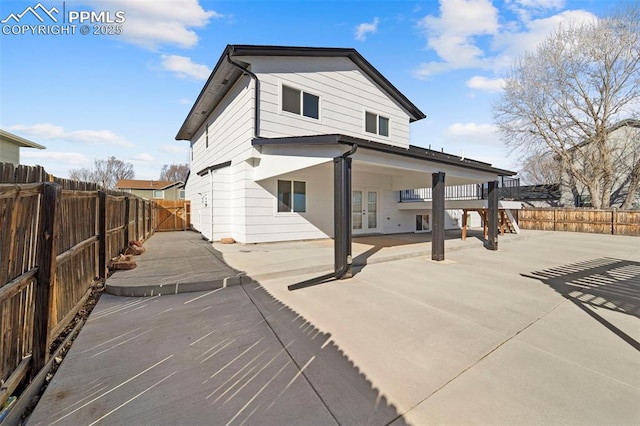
(284, 155)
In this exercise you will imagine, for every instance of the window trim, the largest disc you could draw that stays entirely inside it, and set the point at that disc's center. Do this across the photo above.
(153, 194)
(292, 211)
(302, 91)
(378, 117)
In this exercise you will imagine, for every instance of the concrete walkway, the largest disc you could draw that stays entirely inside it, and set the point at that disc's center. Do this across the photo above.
(175, 262)
(543, 331)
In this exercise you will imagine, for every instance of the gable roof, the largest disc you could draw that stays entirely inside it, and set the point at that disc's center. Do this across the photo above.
(145, 184)
(627, 122)
(17, 140)
(224, 74)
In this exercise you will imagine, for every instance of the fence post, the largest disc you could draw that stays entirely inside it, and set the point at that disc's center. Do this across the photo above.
(127, 219)
(46, 276)
(102, 230)
(613, 221)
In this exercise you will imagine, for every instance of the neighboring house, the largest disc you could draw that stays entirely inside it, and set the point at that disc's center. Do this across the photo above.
(153, 189)
(10, 145)
(624, 141)
(270, 127)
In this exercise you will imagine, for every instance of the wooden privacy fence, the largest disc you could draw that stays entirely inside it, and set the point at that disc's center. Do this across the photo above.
(172, 215)
(616, 222)
(55, 243)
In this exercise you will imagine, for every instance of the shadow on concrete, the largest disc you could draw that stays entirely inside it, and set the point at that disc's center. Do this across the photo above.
(345, 391)
(379, 242)
(606, 283)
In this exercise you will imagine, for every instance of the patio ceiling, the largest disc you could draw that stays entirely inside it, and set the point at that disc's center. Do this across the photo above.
(405, 172)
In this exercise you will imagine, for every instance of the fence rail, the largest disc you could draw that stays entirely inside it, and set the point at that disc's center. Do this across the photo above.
(615, 222)
(56, 238)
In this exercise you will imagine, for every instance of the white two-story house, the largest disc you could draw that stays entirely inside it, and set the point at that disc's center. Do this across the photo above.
(266, 128)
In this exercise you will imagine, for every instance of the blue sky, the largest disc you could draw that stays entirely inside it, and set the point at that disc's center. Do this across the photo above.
(91, 96)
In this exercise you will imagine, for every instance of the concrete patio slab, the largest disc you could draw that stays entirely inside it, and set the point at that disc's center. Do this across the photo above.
(433, 336)
(543, 331)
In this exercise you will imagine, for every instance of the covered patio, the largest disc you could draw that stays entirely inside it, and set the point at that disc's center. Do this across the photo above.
(352, 158)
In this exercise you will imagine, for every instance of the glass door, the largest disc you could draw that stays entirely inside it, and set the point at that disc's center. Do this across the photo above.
(364, 210)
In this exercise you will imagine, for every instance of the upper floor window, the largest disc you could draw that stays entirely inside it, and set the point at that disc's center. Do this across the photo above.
(158, 193)
(182, 194)
(374, 123)
(300, 102)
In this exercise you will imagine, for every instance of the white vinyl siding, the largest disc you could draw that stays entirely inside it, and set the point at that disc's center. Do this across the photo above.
(344, 91)
(230, 129)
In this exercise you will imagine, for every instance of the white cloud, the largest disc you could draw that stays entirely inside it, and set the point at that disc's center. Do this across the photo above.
(485, 84)
(452, 34)
(175, 148)
(142, 158)
(471, 130)
(74, 159)
(514, 43)
(456, 34)
(150, 24)
(366, 28)
(183, 67)
(91, 137)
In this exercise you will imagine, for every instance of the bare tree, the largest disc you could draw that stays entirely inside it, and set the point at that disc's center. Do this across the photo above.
(570, 93)
(175, 172)
(106, 173)
(539, 169)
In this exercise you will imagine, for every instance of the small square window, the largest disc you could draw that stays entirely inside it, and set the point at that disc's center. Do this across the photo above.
(290, 99)
(158, 193)
(182, 194)
(301, 103)
(292, 196)
(374, 123)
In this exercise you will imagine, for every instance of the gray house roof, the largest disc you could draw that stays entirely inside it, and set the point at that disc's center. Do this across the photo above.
(17, 140)
(224, 75)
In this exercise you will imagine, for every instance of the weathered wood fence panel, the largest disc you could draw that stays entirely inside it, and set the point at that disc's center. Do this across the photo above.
(616, 222)
(56, 238)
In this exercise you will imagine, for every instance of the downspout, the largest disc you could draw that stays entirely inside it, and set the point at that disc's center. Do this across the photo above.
(342, 249)
(211, 201)
(256, 117)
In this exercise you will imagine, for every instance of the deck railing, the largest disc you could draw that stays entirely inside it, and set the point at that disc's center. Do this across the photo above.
(508, 189)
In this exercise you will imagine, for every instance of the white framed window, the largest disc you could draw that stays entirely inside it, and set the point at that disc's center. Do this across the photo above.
(377, 124)
(422, 223)
(299, 102)
(181, 194)
(158, 193)
(292, 196)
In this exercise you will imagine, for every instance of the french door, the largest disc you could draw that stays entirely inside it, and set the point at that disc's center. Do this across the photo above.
(364, 211)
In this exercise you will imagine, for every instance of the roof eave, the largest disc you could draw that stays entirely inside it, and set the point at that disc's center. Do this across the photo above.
(413, 151)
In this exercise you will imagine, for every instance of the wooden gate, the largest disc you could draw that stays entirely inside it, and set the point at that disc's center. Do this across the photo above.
(172, 215)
